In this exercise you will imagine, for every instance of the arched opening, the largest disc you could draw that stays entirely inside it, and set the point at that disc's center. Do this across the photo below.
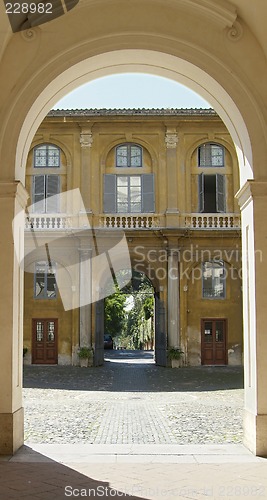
(160, 341)
(145, 62)
(130, 316)
(224, 99)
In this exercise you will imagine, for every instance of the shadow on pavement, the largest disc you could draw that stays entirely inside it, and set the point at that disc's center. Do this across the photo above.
(133, 371)
(32, 475)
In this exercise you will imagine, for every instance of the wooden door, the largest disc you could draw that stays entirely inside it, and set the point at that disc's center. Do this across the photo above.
(213, 342)
(44, 341)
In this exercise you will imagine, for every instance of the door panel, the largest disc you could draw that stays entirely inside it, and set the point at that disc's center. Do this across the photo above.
(213, 342)
(99, 333)
(160, 333)
(44, 341)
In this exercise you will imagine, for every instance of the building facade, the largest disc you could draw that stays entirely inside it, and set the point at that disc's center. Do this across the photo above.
(164, 180)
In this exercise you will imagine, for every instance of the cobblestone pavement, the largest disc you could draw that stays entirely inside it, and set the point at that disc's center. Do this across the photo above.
(130, 400)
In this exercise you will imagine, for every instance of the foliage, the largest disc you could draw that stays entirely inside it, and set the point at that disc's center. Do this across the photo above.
(25, 350)
(115, 314)
(132, 329)
(140, 318)
(148, 307)
(175, 353)
(85, 353)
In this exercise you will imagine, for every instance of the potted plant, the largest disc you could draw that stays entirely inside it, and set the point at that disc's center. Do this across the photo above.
(175, 354)
(86, 356)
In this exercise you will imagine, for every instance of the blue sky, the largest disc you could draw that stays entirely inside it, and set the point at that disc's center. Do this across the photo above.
(132, 90)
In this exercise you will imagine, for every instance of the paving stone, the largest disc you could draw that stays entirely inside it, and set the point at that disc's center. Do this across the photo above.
(131, 401)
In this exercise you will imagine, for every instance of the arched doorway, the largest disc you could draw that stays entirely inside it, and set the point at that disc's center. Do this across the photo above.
(216, 70)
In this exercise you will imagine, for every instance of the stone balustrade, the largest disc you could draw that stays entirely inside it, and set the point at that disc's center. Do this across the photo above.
(49, 222)
(212, 221)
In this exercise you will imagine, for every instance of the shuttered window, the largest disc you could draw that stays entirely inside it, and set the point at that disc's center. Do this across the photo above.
(211, 193)
(129, 193)
(45, 187)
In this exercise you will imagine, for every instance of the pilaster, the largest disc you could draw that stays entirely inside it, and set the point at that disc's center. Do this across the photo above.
(171, 141)
(85, 297)
(253, 203)
(13, 198)
(173, 298)
(86, 141)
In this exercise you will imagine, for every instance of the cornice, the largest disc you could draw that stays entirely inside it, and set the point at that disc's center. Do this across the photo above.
(132, 112)
(251, 190)
(222, 12)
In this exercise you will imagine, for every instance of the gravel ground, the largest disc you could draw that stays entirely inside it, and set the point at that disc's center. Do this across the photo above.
(130, 400)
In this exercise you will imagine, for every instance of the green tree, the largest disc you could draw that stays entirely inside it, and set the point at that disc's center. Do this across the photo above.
(115, 316)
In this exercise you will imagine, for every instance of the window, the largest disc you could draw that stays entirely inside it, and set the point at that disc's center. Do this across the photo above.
(45, 187)
(129, 155)
(129, 193)
(211, 155)
(45, 281)
(211, 193)
(213, 280)
(46, 156)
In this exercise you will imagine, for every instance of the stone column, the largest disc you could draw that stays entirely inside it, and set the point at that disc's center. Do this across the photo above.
(173, 298)
(86, 141)
(171, 140)
(253, 202)
(13, 199)
(85, 297)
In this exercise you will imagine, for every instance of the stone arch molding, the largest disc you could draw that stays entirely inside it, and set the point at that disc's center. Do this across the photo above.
(142, 61)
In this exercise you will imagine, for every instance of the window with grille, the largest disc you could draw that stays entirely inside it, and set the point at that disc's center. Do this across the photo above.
(210, 155)
(46, 156)
(213, 280)
(45, 280)
(128, 155)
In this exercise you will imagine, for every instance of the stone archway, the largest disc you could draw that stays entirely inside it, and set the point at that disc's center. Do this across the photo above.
(42, 64)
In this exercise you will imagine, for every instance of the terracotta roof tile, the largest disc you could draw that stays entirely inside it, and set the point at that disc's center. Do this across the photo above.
(134, 112)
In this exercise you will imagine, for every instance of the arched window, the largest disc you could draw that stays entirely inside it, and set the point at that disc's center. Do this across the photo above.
(211, 155)
(46, 156)
(128, 155)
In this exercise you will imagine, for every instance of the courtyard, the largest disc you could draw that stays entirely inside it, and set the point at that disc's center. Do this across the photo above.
(130, 400)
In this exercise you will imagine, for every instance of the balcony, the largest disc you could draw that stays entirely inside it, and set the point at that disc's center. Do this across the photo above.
(44, 222)
(212, 221)
(61, 222)
(130, 221)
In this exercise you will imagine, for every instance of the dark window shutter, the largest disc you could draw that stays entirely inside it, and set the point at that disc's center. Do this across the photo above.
(148, 195)
(201, 192)
(220, 193)
(109, 193)
(52, 189)
(39, 193)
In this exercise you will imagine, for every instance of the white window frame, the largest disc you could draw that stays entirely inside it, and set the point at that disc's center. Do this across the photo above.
(218, 282)
(129, 157)
(48, 267)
